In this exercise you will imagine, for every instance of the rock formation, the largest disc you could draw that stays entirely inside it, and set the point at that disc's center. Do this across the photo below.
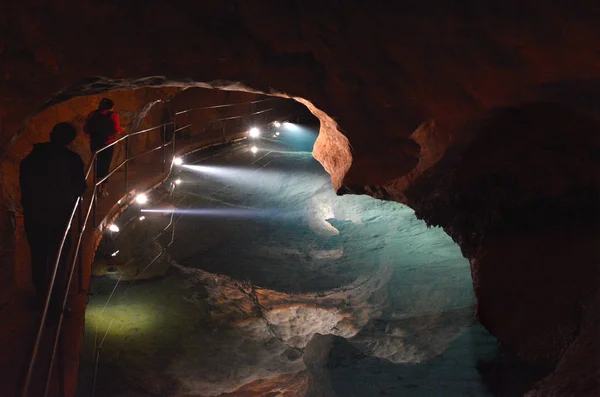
(399, 84)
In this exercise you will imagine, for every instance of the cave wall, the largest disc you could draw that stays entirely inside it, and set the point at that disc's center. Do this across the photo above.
(138, 109)
(192, 98)
(129, 105)
(402, 82)
(521, 200)
(373, 67)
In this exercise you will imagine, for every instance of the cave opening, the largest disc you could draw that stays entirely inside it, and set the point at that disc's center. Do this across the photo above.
(239, 266)
(244, 261)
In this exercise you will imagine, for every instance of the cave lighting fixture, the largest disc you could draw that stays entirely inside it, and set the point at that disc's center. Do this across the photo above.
(115, 253)
(142, 218)
(177, 181)
(277, 133)
(254, 132)
(277, 124)
(113, 228)
(254, 149)
(141, 198)
(177, 161)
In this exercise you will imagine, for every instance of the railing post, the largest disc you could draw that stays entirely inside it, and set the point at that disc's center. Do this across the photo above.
(126, 163)
(80, 251)
(164, 151)
(250, 110)
(94, 193)
(173, 139)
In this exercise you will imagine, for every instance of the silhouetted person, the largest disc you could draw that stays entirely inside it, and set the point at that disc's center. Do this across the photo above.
(51, 179)
(102, 126)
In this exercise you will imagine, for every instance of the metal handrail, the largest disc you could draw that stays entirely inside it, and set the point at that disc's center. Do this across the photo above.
(224, 106)
(149, 129)
(239, 117)
(125, 137)
(38, 338)
(78, 207)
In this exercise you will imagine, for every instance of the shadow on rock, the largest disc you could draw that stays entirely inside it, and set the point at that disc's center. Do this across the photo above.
(337, 368)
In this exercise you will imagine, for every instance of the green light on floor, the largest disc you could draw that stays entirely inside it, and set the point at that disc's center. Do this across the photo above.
(121, 320)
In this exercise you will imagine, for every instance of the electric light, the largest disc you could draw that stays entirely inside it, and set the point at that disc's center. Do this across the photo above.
(142, 218)
(113, 228)
(277, 133)
(141, 198)
(254, 149)
(254, 132)
(115, 253)
(178, 161)
(277, 124)
(177, 181)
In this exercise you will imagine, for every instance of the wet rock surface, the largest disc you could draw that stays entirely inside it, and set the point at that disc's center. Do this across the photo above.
(264, 258)
(338, 368)
(527, 223)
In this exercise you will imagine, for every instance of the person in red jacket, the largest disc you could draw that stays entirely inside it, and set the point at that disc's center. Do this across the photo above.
(103, 125)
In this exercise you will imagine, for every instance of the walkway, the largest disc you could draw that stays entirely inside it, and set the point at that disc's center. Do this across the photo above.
(20, 316)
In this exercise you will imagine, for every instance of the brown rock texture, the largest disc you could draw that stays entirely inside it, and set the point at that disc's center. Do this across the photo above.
(521, 199)
(138, 109)
(403, 83)
(133, 116)
(574, 376)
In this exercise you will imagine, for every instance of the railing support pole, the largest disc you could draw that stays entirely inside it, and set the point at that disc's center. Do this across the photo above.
(249, 122)
(126, 164)
(80, 253)
(173, 140)
(164, 148)
(94, 193)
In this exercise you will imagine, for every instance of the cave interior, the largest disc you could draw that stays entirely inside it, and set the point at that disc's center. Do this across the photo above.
(436, 227)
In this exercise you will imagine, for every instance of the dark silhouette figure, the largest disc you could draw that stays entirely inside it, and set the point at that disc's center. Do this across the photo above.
(103, 125)
(51, 178)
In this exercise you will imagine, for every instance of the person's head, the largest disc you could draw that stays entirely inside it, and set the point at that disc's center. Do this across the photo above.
(106, 104)
(63, 133)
